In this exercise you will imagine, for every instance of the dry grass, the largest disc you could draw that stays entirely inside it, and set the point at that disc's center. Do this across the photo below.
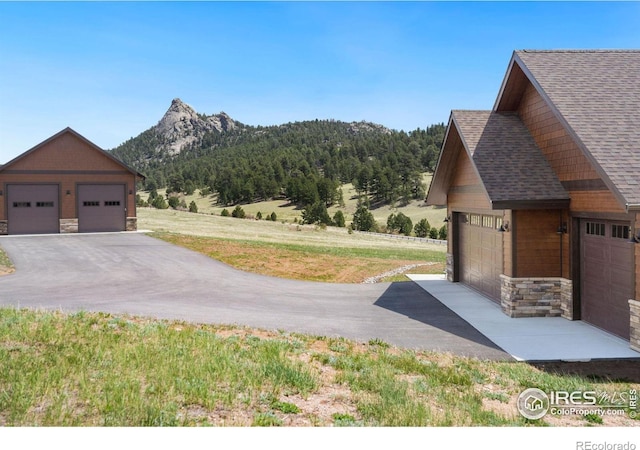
(415, 210)
(6, 267)
(294, 263)
(269, 232)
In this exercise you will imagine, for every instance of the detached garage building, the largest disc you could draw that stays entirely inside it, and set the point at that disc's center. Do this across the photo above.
(67, 184)
(543, 191)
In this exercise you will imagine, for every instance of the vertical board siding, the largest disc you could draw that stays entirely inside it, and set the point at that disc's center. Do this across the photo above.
(466, 190)
(538, 244)
(563, 154)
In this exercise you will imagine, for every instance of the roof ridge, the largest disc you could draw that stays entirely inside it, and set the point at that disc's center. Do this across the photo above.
(580, 51)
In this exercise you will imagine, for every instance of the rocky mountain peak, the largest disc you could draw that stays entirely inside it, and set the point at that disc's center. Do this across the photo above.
(182, 126)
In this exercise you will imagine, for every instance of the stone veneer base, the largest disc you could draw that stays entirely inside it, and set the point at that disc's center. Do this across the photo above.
(4, 227)
(634, 325)
(132, 224)
(449, 268)
(536, 297)
(68, 225)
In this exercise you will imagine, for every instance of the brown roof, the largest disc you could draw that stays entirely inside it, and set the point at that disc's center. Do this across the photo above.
(512, 168)
(596, 94)
(82, 138)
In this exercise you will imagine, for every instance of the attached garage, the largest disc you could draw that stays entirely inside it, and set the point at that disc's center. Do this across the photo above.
(480, 253)
(101, 207)
(606, 275)
(67, 184)
(33, 208)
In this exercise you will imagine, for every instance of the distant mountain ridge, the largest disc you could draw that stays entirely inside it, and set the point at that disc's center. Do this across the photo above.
(182, 126)
(303, 162)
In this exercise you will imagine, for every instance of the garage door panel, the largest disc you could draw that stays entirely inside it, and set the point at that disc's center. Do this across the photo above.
(606, 277)
(101, 207)
(480, 255)
(33, 208)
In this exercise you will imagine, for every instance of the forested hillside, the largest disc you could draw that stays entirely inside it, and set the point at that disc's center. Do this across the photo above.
(304, 162)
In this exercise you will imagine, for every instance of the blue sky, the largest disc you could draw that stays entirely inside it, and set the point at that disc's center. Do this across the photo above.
(109, 70)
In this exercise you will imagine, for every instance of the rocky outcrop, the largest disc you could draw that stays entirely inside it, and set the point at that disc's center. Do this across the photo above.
(182, 126)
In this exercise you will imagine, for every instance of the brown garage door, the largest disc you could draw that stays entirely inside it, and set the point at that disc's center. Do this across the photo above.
(480, 253)
(101, 207)
(606, 275)
(33, 208)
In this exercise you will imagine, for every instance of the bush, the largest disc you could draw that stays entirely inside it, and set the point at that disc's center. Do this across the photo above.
(433, 233)
(442, 234)
(316, 213)
(159, 202)
(174, 202)
(338, 219)
(225, 213)
(273, 217)
(259, 216)
(363, 219)
(238, 212)
(422, 228)
(399, 223)
(193, 207)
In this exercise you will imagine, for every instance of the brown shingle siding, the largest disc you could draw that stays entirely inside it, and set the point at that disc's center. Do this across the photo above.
(596, 94)
(507, 159)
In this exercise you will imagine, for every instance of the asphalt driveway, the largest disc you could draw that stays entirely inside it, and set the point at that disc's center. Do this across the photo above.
(131, 273)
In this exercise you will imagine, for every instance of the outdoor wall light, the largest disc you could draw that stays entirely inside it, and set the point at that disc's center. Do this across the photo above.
(446, 219)
(0, 192)
(562, 229)
(635, 238)
(130, 191)
(504, 227)
(68, 192)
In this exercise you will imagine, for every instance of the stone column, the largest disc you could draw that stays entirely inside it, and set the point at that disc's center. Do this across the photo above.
(634, 325)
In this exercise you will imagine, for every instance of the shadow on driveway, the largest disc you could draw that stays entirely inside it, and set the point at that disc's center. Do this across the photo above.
(443, 325)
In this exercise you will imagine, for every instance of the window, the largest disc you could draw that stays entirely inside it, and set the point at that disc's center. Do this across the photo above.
(620, 231)
(475, 219)
(112, 203)
(90, 203)
(595, 228)
(487, 221)
(44, 204)
(22, 204)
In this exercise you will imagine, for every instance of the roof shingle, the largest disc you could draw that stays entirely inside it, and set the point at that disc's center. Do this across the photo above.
(597, 92)
(510, 164)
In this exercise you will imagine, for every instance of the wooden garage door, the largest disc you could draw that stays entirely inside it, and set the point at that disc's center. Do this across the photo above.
(606, 275)
(33, 208)
(101, 207)
(480, 253)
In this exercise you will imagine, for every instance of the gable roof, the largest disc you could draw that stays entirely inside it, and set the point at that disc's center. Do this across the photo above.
(78, 136)
(512, 169)
(596, 96)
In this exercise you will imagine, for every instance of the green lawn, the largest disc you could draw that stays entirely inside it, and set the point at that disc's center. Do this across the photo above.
(93, 369)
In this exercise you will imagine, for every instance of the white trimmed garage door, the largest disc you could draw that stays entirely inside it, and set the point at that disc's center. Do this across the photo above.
(101, 207)
(606, 275)
(480, 253)
(33, 208)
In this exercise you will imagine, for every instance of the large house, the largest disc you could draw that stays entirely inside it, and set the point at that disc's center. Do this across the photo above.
(543, 191)
(67, 184)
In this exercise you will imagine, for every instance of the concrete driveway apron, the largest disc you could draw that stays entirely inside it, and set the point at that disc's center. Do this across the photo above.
(131, 273)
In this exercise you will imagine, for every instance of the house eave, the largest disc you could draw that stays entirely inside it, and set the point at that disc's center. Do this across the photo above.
(531, 204)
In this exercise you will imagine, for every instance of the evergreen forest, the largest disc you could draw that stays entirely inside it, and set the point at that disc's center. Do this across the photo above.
(303, 162)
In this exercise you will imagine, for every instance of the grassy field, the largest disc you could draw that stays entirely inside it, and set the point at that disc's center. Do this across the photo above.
(416, 210)
(288, 250)
(92, 369)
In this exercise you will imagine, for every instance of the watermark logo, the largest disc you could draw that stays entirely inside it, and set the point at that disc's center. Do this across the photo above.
(533, 403)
